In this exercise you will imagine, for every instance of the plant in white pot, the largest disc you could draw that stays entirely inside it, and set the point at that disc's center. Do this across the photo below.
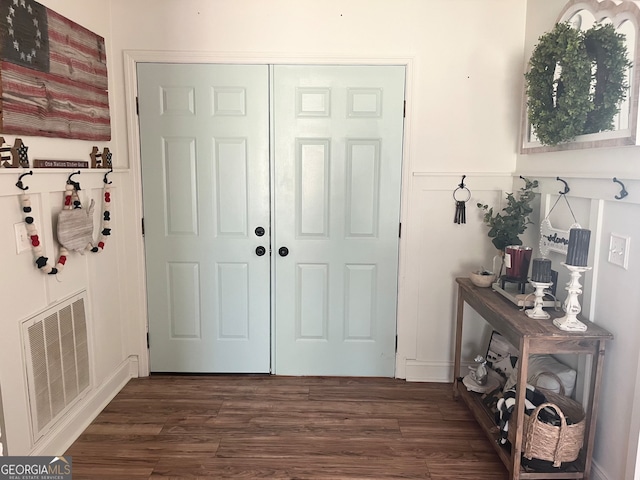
(506, 225)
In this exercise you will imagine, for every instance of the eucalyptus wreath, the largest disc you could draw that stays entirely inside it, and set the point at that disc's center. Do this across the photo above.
(558, 107)
(608, 53)
(586, 95)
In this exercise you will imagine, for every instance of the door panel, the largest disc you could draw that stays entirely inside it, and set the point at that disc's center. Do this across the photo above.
(204, 133)
(337, 176)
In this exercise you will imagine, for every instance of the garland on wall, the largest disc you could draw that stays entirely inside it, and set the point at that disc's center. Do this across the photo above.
(576, 82)
(75, 227)
(41, 261)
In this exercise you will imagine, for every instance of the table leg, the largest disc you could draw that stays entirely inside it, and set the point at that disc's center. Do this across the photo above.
(458, 352)
(517, 417)
(597, 362)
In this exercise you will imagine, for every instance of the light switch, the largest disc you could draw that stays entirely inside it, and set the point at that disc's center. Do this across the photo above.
(619, 250)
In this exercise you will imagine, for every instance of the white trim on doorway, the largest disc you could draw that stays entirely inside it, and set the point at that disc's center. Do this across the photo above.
(132, 57)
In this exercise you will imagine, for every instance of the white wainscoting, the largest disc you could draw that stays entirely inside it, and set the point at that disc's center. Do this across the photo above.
(436, 251)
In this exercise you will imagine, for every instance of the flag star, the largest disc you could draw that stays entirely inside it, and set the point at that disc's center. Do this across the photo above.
(29, 9)
(37, 43)
(35, 22)
(38, 34)
(29, 58)
(12, 11)
(33, 52)
(10, 32)
(15, 2)
(22, 56)
(16, 45)
(9, 19)
(22, 3)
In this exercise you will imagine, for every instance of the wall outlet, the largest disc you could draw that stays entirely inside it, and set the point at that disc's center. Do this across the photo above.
(23, 242)
(619, 250)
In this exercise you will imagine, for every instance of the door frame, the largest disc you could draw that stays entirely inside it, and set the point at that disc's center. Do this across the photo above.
(132, 57)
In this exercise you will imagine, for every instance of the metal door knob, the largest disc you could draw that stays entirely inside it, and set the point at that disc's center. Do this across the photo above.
(260, 251)
(283, 251)
(259, 231)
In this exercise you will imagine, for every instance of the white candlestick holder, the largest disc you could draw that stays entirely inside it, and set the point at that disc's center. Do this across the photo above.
(571, 305)
(538, 303)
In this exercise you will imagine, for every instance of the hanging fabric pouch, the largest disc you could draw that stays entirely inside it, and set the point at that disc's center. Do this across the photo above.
(75, 228)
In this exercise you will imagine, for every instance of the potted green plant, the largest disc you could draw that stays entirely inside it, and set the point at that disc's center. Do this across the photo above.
(506, 225)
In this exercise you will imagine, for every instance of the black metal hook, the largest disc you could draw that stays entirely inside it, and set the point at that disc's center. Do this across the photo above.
(566, 186)
(108, 182)
(461, 184)
(76, 185)
(623, 192)
(19, 183)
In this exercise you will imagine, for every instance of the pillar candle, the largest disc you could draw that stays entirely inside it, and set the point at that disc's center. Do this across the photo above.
(578, 249)
(541, 270)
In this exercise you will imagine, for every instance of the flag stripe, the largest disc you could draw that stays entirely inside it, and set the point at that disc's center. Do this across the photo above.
(26, 125)
(47, 105)
(88, 116)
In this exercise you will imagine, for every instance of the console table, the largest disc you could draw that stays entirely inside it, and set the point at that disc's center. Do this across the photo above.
(531, 336)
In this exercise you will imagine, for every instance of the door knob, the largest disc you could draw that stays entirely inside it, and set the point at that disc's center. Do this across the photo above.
(260, 251)
(283, 251)
(259, 231)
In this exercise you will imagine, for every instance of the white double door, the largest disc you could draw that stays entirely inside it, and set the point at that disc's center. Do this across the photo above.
(271, 210)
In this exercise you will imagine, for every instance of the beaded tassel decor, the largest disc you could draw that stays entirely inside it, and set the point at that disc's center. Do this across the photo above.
(41, 261)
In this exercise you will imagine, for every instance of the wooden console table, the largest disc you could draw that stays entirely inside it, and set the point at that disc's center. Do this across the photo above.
(531, 336)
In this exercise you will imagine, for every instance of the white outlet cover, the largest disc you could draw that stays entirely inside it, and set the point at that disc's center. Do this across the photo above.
(619, 250)
(23, 243)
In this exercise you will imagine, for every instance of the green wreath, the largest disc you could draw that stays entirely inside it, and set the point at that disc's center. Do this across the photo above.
(608, 53)
(558, 108)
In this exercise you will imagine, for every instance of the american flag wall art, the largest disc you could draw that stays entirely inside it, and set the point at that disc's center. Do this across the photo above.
(53, 75)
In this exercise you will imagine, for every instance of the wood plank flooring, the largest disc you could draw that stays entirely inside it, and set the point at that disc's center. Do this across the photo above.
(255, 426)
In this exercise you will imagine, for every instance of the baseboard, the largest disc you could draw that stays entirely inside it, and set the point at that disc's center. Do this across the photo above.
(597, 473)
(420, 371)
(60, 437)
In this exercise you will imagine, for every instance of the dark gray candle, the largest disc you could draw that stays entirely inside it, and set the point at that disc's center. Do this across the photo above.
(541, 270)
(578, 249)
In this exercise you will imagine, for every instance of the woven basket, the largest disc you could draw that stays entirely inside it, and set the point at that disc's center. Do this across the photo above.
(557, 444)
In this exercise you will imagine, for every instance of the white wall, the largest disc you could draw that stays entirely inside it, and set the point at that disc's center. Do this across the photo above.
(26, 291)
(611, 293)
(463, 94)
(465, 61)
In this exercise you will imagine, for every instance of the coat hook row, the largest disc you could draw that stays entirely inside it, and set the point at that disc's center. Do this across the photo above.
(19, 183)
(623, 191)
(566, 186)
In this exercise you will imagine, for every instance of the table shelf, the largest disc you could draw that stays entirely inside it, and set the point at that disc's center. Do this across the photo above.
(530, 336)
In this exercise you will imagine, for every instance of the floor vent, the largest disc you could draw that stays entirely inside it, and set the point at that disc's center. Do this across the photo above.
(57, 361)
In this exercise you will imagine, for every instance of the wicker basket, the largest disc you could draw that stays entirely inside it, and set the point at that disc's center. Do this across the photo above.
(557, 444)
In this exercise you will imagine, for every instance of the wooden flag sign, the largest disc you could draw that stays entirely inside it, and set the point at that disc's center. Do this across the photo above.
(54, 75)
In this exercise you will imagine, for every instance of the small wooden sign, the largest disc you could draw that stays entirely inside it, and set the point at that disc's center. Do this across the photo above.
(554, 239)
(38, 163)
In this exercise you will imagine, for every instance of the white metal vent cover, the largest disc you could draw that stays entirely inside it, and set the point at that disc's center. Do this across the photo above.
(57, 361)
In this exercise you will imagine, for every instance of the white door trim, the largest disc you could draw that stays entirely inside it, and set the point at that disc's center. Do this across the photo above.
(131, 57)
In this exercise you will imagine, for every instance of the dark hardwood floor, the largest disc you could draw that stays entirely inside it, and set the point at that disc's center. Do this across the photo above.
(253, 426)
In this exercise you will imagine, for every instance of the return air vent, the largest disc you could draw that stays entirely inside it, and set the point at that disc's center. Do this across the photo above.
(57, 361)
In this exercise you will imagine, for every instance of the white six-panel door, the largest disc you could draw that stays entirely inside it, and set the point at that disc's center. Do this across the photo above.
(337, 175)
(336, 134)
(204, 134)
